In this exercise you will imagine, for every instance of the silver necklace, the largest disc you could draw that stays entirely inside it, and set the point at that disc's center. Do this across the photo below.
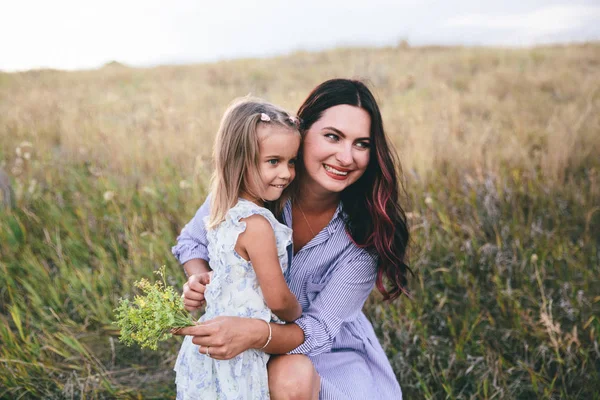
(306, 219)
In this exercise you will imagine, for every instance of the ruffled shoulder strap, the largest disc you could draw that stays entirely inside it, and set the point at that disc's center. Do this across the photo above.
(244, 209)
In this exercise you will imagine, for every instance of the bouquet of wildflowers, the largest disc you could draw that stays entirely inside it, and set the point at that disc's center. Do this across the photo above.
(150, 317)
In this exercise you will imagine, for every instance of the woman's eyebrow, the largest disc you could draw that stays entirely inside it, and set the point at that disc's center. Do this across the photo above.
(336, 130)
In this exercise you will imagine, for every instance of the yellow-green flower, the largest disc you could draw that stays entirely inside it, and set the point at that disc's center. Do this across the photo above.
(150, 318)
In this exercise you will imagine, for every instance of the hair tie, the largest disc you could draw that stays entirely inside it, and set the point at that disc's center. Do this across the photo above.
(264, 117)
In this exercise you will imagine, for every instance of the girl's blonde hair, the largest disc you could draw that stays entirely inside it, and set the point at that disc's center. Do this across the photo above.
(236, 154)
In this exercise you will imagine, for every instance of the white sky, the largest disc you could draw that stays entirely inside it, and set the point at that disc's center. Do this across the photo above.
(75, 34)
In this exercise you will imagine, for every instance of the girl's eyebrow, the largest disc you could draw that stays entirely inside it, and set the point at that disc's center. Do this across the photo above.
(336, 130)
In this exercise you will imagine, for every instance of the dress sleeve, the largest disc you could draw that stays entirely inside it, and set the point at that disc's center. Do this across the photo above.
(191, 242)
(340, 300)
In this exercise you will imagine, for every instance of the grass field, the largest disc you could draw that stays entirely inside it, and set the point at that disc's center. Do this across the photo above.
(501, 153)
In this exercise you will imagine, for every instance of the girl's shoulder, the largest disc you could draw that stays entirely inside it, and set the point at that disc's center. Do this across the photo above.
(248, 213)
(244, 209)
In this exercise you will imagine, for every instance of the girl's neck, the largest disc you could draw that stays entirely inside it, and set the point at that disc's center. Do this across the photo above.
(246, 196)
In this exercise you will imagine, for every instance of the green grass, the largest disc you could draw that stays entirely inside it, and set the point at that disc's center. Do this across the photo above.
(506, 301)
(504, 203)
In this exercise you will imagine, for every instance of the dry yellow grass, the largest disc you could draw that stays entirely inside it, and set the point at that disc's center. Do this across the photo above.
(502, 151)
(473, 109)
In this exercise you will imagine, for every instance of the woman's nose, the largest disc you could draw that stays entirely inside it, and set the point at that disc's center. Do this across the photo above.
(344, 156)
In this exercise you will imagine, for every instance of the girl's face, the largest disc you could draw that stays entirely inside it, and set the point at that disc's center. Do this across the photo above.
(336, 148)
(277, 164)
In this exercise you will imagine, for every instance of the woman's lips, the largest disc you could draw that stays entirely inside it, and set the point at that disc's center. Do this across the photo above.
(336, 173)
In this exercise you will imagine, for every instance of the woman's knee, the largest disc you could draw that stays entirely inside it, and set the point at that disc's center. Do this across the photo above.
(293, 377)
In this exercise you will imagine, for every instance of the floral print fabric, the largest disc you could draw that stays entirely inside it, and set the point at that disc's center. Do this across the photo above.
(233, 291)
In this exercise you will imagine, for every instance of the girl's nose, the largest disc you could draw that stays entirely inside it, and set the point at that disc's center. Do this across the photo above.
(285, 173)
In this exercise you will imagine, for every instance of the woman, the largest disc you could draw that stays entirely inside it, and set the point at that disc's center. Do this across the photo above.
(349, 233)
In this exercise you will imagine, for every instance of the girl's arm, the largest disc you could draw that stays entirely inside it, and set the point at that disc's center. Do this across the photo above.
(258, 245)
(338, 300)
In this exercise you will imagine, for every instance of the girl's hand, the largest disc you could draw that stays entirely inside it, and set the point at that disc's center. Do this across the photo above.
(193, 290)
(226, 337)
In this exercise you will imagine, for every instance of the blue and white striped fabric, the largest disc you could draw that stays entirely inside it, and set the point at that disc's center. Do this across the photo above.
(332, 278)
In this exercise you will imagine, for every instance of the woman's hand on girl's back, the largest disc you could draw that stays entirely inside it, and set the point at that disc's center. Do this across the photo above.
(193, 290)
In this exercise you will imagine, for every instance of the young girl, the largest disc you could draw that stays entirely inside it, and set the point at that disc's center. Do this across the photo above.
(255, 154)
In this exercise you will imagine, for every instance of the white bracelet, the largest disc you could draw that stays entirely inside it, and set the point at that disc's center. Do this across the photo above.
(270, 336)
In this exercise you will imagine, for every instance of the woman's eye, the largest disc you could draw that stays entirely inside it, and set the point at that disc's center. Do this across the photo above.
(363, 145)
(293, 162)
(332, 136)
(273, 161)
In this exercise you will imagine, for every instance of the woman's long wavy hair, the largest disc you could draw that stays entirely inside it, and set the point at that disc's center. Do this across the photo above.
(375, 219)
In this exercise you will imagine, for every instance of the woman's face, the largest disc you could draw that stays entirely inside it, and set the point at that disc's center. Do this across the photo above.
(336, 148)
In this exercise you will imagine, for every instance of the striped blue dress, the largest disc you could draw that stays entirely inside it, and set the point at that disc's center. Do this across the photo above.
(332, 278)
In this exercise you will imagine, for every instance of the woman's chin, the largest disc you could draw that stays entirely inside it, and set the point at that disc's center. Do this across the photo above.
(333, 185)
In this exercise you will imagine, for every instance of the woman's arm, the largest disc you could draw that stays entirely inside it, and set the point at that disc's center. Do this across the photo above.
(192, 242)
(229, 336)
(191, 251)
(340, 300)
(284, 338)
(196, 266)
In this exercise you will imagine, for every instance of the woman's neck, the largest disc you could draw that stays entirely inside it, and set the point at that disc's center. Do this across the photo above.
(317, 201)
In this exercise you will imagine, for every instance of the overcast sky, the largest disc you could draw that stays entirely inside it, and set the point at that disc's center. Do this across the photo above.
(75, 34)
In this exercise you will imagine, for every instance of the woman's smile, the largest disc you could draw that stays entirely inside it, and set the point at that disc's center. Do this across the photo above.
(337, 173)
(337, 148)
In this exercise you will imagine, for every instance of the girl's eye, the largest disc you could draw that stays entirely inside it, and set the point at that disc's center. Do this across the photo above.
(293, 162)
(273, 161)
(363, 145)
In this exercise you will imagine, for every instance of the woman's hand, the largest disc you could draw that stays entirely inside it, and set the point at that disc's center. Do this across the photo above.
(226, 337)
(193, 290)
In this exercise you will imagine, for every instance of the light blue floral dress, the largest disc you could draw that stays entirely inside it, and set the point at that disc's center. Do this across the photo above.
(233, 291)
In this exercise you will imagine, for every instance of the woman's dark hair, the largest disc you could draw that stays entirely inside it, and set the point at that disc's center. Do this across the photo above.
(384, 231)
